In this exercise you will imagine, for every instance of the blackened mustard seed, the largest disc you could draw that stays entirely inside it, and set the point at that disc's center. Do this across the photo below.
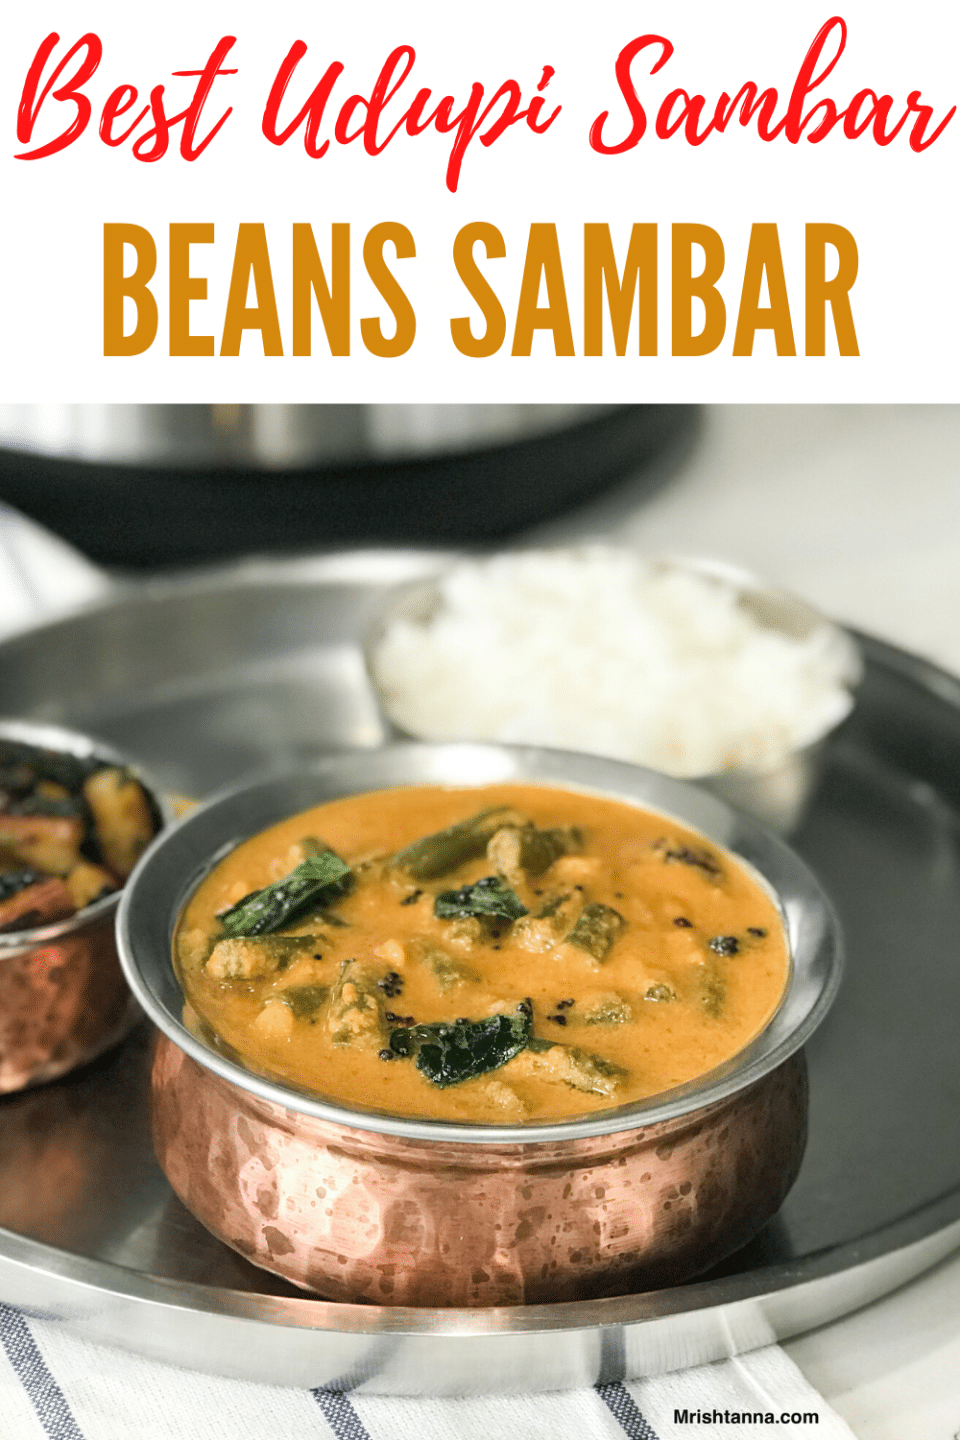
(682, 923)
(724, 944)
(757, 930)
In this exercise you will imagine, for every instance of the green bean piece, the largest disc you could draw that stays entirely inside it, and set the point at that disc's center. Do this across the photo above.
(304, 1000)
(552, 907)
(250, 957)
(356, 1015)
(524, 851)
(568, 1065)
(446, 971)
(660, 992)
(596, 929)
(447, 850)
(712, 992)
(605, 1009)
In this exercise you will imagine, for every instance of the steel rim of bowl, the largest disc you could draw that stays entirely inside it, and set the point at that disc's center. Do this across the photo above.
(73, 742)
(179, 858)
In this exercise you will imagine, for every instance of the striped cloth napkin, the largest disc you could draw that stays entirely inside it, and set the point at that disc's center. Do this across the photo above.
(57, 1385)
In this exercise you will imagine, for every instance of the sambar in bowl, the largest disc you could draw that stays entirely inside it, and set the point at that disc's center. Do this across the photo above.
(468, 1025)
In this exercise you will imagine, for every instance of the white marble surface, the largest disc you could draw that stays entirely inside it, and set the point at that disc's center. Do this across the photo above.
(892, 1370)
(858, 509)
(855, 507)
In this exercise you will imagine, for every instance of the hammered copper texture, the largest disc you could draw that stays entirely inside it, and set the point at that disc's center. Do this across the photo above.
(61, 1003)
(360, 1216)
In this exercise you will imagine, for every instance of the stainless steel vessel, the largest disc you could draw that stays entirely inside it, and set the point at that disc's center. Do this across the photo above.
(274, 437)
(153, 485)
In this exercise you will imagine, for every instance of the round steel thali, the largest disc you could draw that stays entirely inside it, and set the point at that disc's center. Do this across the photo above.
(206, 677)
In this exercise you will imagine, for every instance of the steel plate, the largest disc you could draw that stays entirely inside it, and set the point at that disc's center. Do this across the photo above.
(204, 678)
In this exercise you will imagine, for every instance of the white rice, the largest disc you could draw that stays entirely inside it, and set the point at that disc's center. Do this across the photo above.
(598, 650)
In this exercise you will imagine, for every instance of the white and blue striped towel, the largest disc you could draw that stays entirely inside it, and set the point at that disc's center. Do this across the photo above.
(57, 1386)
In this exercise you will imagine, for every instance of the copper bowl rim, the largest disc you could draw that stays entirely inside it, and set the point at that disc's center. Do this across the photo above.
(182, 855)
(74, 742)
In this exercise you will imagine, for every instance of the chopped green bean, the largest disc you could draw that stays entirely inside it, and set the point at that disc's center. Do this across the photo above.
(604, 1009)
(712, 992)
(596, 929)
(356, 1016)
(660, 992)
(524, 851)
(550, 907)
(568, 1065)
(304, 1000)
(446, 850)
(445, 969)
(248, 957)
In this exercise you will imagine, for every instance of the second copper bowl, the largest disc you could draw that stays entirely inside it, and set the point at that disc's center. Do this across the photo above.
(63, 998)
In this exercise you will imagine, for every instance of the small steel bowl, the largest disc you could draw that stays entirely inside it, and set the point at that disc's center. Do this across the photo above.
(63, 998)
(360, 1205)
(778, 794)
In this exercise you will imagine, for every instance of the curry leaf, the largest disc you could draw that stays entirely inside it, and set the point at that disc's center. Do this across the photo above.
(452, 1051)
(316, 881)
(490, 896)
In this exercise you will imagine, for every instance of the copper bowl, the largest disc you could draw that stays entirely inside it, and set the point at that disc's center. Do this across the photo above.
(63, 998)
(360, 1205)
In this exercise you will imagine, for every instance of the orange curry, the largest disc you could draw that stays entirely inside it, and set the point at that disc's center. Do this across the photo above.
(511, 954)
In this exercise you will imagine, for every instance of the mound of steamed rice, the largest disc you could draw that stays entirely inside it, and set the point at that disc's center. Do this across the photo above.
(599, 650)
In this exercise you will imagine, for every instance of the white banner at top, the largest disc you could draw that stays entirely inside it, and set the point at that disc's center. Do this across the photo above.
(406, 203)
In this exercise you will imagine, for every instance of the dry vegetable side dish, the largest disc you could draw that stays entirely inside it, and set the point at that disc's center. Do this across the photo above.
(509, 954)
(71, 830)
